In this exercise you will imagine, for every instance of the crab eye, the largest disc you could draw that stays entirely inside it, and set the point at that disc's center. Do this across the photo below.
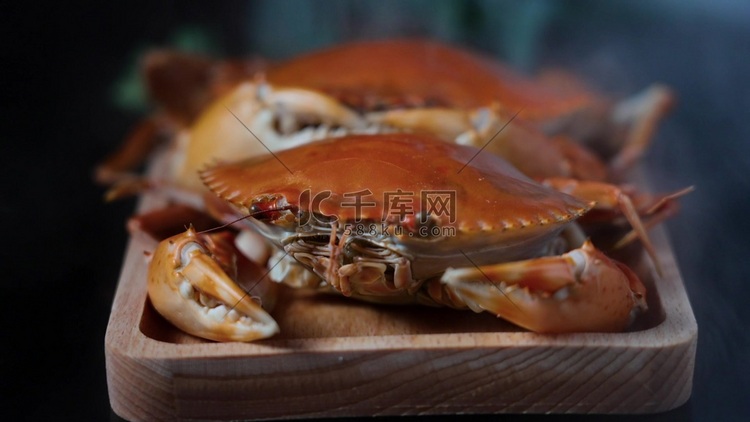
(268, 207)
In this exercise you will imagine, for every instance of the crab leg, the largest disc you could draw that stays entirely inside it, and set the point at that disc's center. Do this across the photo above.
(644, 112)
(662, 209)
(579, 291)
(120, 165)
(189, 285)
(159, 224)
(608, 197)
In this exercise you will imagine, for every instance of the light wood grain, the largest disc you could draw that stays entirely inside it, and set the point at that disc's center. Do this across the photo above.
(336, 357)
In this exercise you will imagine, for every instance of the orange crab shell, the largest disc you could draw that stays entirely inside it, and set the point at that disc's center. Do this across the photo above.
(491, 197)
(429, 71)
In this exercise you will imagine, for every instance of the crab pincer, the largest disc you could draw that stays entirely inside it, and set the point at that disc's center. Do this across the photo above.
(582, 290)
(193, 282)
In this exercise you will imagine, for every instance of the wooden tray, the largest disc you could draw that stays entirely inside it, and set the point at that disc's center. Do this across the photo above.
(336, 357)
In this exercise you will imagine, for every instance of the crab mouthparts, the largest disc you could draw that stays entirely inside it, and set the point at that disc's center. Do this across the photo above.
(354, 266)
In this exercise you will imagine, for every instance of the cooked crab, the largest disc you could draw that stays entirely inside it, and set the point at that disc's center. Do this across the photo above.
(330, 206)
(434, 87)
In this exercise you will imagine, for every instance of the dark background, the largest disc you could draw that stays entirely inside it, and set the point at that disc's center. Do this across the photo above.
(70, 93)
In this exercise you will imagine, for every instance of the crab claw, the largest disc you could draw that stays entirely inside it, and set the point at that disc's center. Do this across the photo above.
(580, 291)
(189, 284)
